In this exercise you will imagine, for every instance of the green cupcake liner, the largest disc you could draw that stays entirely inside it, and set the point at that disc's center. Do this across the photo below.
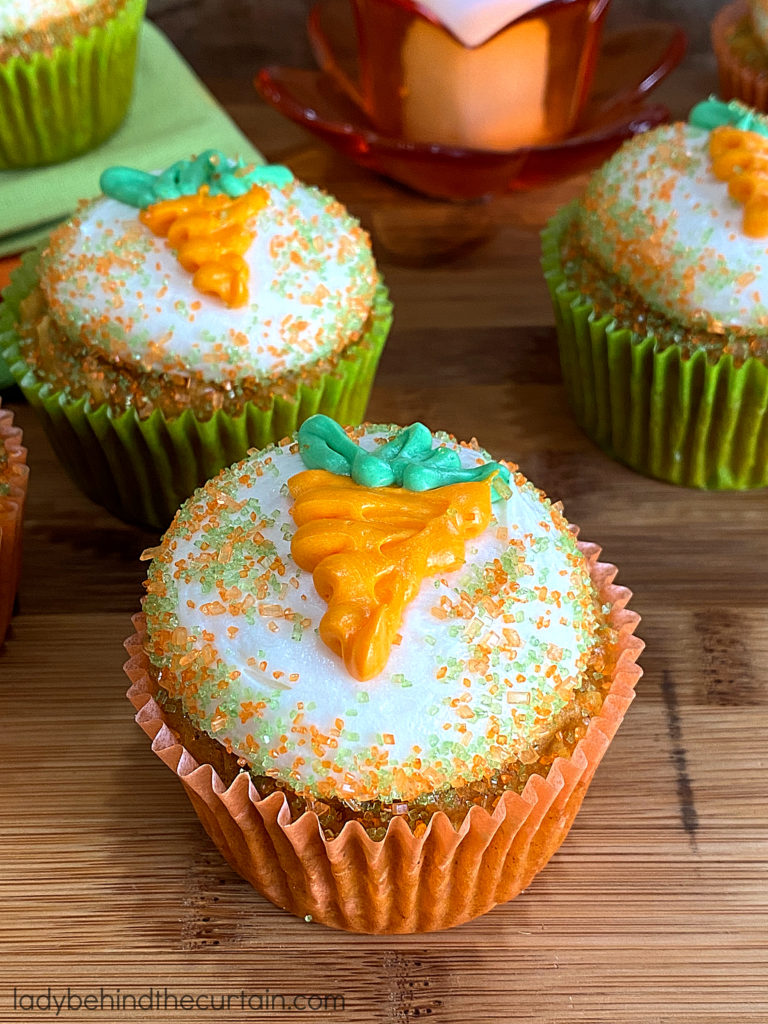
(6, 377)
(58, 104)
(141, 470)
(680, 418)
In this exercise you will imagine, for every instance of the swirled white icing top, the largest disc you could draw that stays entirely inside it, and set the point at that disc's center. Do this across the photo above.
(486, 657)
(112, 284)
(657, 216)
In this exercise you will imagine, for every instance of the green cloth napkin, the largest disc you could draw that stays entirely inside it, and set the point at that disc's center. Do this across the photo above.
(172, 116)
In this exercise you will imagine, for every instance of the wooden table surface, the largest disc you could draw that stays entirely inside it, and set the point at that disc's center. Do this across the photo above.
(654, 910)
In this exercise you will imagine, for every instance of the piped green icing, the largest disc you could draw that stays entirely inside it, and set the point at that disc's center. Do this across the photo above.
(714, 113)
(408, 460)
(185, 177)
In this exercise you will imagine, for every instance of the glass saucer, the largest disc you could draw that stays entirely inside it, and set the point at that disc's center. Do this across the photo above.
(631, 63)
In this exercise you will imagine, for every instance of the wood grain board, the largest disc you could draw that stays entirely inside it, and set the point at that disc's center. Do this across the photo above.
(655, 911)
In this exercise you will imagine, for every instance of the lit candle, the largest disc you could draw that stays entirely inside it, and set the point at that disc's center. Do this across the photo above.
(484, 82)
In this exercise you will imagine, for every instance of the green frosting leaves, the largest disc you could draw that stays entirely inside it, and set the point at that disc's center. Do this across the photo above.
(408, 460)
(185, 177)
(714, 113)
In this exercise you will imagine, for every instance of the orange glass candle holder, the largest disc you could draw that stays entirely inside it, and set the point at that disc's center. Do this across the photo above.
(416, 78)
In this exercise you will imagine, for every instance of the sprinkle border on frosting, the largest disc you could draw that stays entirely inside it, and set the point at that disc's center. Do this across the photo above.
(488, 694)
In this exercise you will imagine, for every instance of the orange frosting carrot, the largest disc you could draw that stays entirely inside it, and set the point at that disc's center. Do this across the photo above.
(210, 235)
(741, 158)
(369, 550)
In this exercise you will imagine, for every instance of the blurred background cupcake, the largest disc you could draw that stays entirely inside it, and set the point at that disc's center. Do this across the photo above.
(659, 279)
(186, 317)
(66, 75)
(740, 42)
(396, 655)
(13, 492)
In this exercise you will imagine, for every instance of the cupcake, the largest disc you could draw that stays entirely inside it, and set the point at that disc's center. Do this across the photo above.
(66, 75)
(384, 670)
(740, 42)
(13, 491)
(659, 278)
(187, 316)
(759, 10)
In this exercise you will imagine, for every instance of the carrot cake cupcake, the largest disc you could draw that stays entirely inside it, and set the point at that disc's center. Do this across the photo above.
(659, 276)
(740, 42)
(187, 316)
(376, 638)
(66, 75)
(13, 491)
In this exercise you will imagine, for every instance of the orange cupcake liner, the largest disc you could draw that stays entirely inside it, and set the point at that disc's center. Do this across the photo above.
(402, 883)
(11, 515)
(737, 79)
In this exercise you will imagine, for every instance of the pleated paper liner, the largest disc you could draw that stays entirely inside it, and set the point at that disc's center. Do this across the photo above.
(683, 419)
(141, 470)
(402, 883)
(11, 516)
(742, 62)
(65, 101)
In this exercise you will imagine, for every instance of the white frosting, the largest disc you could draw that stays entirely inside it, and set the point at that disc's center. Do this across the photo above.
(657, 216)
(17, 16)
(439, 697)
(109, 281)
(475, 21)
